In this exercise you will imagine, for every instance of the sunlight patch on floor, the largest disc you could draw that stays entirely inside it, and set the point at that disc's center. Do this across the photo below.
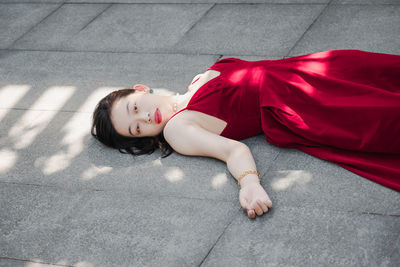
(290, 178)
(219, 180)
(31, 124)
(94, 170)
(10, 95)
(8, 159)
(174, 174)
(157, 162)
(76, 129)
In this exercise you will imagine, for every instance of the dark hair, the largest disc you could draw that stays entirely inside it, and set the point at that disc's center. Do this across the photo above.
(104, 131)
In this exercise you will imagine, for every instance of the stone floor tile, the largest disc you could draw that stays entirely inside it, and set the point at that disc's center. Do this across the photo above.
(33, 212)
(366, 2)
(200, 1)
(298, 179)
(17, 19)
(57, 30)
(299, 236)
(393, 258)
(362, 27)
(126, 230)
(114, 31)
(269, 30)
(17, 263)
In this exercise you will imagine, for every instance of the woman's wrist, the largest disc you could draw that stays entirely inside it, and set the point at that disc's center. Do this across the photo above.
(249, 179)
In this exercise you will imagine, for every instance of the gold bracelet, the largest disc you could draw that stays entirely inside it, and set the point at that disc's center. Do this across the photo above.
(248, 172)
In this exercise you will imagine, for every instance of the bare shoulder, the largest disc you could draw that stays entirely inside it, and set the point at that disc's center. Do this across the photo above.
(189, 138)
(202, 78)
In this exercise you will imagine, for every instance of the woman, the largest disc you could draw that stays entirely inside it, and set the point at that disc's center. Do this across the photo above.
(339, 105)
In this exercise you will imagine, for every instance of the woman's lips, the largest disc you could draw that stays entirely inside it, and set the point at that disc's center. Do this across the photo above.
(158, 116)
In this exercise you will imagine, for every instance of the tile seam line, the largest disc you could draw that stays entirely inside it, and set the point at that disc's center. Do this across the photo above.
(395, 245)
(229, 3)
(136, 195)
(128, 52)
(215, 243)
(51, 110)
(264, 174)
(196, 22)
(201, 3)
(33, 27)
(41, 262)
(91, 190)
(308, 28)
(93, 19)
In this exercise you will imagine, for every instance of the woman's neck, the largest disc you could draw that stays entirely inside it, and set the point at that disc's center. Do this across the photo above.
(180, 101)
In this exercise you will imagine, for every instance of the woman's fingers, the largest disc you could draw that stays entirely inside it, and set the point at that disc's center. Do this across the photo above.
(258, 209)
(251, 214)
(263, 206)
(268, 202)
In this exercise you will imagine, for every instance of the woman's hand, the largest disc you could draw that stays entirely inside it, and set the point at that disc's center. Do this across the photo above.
(254, 199)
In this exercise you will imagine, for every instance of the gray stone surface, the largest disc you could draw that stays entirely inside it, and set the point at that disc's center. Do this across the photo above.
(366, 2)
(198, 1)
(297, 236)
(393, 257)
(269, 30)
(17, 19)
(67, 21)
(66, 200)
(297, 179)
(111, 228)
(364, 27)
(6, 262)
(127, 28)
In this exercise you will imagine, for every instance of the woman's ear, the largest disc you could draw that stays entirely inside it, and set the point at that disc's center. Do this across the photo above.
(141, 87)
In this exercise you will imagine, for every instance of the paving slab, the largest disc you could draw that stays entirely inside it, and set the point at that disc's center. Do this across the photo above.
(363, 27)
(298, 236)
(15, 263)
(57, 30)
(33, 211)
(177, 1)
(269, 30)
(366, 2)
(393, 258)
(17, 19)
(206, 1)
(114, 228)
(119, 28)
(299, 179)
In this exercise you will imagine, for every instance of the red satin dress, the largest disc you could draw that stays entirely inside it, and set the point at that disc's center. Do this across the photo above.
(341, 105)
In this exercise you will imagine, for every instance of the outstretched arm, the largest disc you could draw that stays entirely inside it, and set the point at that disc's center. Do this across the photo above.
(190, 139)
(252, 195)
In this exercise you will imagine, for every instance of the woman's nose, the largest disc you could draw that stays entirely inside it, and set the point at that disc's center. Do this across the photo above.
(146, 117)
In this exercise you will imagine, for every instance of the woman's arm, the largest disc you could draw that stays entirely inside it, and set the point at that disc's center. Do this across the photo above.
(187, 138)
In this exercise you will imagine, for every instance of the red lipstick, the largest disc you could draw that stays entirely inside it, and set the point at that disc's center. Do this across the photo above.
(157, 116)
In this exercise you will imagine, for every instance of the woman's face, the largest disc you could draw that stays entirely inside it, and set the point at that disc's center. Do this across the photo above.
(135, 115)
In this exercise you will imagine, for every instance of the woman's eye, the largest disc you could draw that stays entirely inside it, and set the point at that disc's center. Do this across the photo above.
(138, 130)
(135, 107)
